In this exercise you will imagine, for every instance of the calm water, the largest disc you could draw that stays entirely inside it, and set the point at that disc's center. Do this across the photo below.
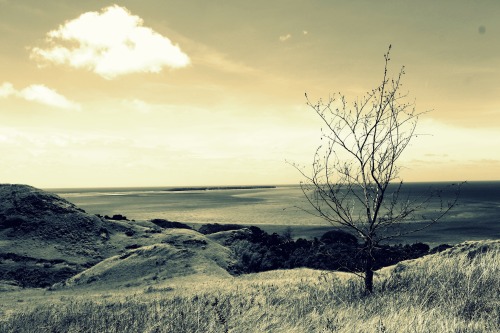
(476, 217)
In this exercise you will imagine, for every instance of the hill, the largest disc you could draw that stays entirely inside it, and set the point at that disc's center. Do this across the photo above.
(182, 253)
(44, 238)
(27, 213)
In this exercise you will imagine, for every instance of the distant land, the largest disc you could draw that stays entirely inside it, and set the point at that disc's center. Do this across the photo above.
(217, 188)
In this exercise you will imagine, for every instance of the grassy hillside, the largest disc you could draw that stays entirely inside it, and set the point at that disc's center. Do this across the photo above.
(44, 238)
(181, 253)
(39, 224)
(453, 291)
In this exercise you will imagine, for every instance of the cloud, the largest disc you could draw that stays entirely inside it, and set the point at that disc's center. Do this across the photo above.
(285, 37)
(305, 32)
(110, 43)
(43, 95)
(40, 94)
(7, 90)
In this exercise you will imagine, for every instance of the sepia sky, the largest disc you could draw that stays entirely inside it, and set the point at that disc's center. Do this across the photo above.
(175, 92)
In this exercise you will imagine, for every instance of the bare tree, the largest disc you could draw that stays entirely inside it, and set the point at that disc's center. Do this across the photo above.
(355, 180)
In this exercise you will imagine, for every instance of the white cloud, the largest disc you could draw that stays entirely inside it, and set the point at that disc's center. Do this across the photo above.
(43, 95)
(40, 94)
(285, 37)
(110, 43)
(7, 90)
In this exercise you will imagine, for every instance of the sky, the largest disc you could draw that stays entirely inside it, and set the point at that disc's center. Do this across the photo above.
(178, 93)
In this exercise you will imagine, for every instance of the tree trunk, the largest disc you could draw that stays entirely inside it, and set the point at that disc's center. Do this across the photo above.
(368, 280)
(368, 272)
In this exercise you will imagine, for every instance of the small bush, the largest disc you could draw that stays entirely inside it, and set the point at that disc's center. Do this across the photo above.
(130, 232)
(440, 248)
(212, 228)
(338, 236)
(116, 217)
(166, 224)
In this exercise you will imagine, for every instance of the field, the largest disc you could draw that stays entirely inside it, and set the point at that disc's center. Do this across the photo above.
(452, 291)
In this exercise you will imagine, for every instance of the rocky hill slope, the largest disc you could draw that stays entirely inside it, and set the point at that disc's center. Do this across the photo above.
(45, 239)
(27, 213)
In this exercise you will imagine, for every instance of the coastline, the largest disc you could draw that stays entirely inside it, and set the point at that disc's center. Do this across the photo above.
(433, 236)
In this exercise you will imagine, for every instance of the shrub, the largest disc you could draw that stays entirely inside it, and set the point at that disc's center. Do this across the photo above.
(212, 228)
(338, 236)
(166, 224)
(116, 217)
(130, 232)
(440, 248)
(258, 251)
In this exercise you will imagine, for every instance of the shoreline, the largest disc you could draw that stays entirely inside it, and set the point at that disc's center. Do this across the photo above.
(436, 235)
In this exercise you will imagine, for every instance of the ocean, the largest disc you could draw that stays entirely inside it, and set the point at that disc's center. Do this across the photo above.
(476, 216)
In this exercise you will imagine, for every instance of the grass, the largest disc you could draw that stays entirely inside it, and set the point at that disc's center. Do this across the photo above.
(454, 291)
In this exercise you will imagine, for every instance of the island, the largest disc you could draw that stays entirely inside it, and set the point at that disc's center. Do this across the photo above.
(219, 188)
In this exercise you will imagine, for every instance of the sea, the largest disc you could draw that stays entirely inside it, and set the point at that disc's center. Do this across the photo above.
(476, 215)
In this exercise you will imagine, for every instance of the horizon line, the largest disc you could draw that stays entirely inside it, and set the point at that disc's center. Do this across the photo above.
(170, 187)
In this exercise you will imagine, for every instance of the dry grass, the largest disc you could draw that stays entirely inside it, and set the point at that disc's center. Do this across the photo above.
(455, 291)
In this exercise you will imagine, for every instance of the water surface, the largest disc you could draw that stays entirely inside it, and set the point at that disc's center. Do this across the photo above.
(477, 216)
